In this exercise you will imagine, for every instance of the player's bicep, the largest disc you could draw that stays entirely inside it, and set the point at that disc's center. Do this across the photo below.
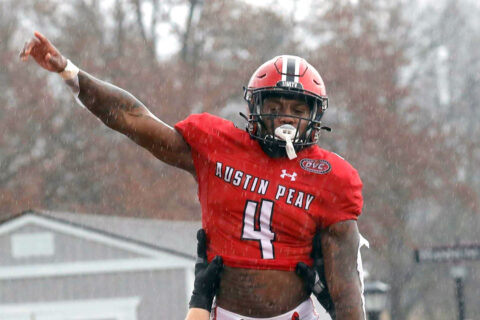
(340, 243)
(162, 140)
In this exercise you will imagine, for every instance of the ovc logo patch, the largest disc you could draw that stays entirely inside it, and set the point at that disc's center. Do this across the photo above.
(315, 165)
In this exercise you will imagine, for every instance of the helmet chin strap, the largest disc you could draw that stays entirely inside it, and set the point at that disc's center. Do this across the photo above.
(286, 133)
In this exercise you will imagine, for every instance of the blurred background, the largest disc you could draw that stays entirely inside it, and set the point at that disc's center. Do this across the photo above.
(403, 80)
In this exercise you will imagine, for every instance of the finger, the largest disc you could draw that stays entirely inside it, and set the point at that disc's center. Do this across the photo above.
(31, 45)
(22, 52)
(217, 261)
(317, 246)
(40, 37)
(201, 244)
(27, 47)
(303, 271)
(51, 59)
(215, 266)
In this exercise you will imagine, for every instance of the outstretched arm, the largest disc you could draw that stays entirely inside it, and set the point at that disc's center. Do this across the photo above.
(122, 112)
(116, 108)
(340, 247)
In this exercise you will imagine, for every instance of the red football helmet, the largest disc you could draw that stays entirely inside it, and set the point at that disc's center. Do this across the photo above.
(293, 78)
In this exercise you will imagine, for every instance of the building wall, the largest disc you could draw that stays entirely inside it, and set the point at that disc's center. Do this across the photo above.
(163, 293)
(67, 248)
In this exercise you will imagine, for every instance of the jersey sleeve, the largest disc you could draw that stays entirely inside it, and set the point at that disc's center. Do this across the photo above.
(204, 133)
(344, 200)
(197, 130)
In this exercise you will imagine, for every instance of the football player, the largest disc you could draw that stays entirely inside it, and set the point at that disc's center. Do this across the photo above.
(264, 191)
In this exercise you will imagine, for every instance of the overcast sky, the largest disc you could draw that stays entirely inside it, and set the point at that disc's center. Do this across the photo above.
(179, 15)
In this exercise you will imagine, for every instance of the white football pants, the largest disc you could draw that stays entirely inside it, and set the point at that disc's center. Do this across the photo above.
(305, 311)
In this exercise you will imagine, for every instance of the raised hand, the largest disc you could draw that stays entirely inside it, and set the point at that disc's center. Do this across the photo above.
(207, 276)
(44, 53)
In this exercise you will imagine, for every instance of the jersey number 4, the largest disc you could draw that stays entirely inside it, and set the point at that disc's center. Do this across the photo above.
(257, 225)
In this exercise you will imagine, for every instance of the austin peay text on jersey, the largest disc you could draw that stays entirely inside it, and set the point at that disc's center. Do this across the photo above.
(260, 186)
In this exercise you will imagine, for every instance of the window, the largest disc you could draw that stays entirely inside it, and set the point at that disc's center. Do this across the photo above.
(36, 244)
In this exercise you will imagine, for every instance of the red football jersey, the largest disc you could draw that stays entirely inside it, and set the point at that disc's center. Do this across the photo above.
(261, 212)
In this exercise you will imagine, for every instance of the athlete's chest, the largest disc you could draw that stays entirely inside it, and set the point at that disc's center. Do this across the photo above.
(246, 173)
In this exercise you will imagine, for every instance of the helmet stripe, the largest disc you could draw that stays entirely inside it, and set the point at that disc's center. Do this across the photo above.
(291, 69)
(284, 68)
(297, 69)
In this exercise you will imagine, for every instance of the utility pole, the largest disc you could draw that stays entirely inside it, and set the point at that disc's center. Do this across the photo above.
(452, 254)
(459, 273)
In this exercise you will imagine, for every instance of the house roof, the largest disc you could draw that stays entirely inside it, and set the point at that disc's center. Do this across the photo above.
(176, 237)
(154, 244)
